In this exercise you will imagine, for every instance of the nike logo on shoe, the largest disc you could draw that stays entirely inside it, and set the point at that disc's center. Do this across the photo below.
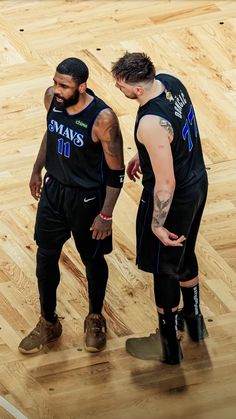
(56, 110)
(89, 199)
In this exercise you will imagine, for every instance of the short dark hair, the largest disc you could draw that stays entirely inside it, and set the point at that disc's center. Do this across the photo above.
(134, 67)
(75, 68)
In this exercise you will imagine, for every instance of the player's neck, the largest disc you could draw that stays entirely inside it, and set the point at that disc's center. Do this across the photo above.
(84, 100)
(156, 89)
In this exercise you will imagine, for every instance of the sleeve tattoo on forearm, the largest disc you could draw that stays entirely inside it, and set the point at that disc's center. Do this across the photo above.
(161, 209)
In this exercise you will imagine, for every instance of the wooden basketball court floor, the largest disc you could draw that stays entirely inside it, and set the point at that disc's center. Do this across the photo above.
(196, 41)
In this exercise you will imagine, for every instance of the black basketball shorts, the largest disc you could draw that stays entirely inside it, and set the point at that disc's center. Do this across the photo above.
(63, 210)
(183, 218)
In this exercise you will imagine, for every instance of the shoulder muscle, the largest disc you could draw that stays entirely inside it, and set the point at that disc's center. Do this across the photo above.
(48, 97)
(156, 127)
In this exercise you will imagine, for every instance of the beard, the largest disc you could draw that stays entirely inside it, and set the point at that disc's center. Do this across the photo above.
(71, 101)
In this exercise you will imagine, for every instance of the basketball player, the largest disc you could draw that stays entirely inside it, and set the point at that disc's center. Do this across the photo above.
(82, 151)
(175, 189)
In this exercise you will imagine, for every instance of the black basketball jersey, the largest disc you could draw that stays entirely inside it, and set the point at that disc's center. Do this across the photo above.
(72, 157)
(175, 106)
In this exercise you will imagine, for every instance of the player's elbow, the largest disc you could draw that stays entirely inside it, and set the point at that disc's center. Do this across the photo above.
(166, 182)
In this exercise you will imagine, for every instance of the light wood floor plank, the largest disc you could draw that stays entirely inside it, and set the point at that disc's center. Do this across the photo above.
(195, 40)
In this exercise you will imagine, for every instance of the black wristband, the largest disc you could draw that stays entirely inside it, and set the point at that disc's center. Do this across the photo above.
(115, 178)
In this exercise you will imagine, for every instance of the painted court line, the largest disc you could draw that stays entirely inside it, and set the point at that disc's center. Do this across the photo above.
(11, 409)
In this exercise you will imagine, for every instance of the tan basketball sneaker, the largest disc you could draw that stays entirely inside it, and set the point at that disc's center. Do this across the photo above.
(95, 332)
(44, 332)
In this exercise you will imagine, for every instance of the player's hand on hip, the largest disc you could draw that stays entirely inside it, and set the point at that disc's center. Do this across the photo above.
(101, 228)
(168, 238)
(35, 185)
(133, 169)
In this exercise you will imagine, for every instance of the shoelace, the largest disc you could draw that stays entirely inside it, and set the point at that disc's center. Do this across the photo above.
(97, 325)
(154, 335)
(36, 330)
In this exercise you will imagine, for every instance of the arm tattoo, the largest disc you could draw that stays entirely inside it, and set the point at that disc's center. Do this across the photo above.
(114, 143)
(161, 207)
(108, 127)
(167, 125)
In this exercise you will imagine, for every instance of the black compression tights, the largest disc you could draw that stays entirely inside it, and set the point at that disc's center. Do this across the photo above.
(166, 292)
(97, 275)
(48, 274)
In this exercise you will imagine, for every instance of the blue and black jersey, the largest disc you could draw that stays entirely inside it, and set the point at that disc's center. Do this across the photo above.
(72, 158)
(175, 106)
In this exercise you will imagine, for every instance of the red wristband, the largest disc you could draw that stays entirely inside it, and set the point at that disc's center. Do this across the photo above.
(105, 217)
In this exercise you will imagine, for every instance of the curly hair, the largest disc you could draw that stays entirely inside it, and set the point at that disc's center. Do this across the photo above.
(75, 68)
(134, 67)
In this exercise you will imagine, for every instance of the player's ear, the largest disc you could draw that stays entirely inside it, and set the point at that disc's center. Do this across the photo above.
(82, 87)
(139, 90)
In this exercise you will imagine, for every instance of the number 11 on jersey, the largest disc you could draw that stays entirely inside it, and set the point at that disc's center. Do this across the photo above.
(63, 147)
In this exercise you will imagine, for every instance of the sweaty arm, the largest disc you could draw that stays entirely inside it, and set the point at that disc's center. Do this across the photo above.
(36, 177)
(156, 134)
(107, 131)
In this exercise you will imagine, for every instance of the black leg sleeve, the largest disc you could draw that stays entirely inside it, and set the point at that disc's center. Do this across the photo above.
(48, 274)
(97, 275)
(166, 292)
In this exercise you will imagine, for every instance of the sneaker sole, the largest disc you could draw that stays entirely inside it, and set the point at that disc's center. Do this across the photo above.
(31, 351)
(92, 349)
(35, 350)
